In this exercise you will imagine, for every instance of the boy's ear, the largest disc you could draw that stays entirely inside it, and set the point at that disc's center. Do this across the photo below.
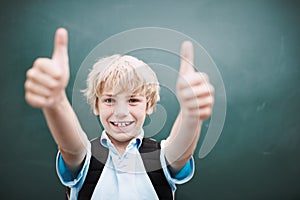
(95, 111)
(95, 108)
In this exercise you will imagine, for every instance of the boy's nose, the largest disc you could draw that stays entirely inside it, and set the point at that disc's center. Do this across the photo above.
(120, 110)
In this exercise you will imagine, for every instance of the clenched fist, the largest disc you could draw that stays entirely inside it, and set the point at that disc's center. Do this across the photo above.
(194, 91)
(47, 79)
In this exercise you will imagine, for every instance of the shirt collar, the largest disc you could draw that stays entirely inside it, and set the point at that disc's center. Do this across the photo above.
(137, 141)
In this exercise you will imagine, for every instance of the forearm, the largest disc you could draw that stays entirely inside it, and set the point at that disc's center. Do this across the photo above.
(195, 95)
(67, 132)
(45, 86)
(183, 139)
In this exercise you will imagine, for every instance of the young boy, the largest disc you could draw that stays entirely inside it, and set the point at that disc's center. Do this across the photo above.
(121, 90)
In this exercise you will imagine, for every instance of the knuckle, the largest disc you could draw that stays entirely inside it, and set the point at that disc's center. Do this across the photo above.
(27, 85)
(208, 90)
(29, 99)
(27, 96)
(207, 111)
(38, 62)
(204, 76)
(30, 73)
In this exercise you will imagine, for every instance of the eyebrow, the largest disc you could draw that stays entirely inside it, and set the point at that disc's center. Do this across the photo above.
(107, 94)
(112, 95)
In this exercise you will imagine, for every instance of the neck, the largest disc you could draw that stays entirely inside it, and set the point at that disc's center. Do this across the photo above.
(119, 145)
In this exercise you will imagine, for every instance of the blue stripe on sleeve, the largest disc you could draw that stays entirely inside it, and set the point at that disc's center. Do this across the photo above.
(65, 173)
(184, 172)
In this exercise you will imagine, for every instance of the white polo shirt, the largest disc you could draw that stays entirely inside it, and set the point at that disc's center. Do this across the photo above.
(123, 177)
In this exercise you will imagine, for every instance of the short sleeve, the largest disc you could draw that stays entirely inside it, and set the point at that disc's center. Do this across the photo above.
(183, 176)
(66, 178)
(185, 171)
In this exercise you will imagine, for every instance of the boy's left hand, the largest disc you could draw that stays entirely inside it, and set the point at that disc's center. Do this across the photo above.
(194, 91)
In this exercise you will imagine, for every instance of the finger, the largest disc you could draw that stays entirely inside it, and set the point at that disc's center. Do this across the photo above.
(43, 79)
(36, 100)
(187, 58)
(193, 79)
(46, 66)
(38, 89)
(199, 103)
(200, 91)
(60, 52)
(202, 113)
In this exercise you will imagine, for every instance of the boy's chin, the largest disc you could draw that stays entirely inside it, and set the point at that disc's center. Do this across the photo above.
(121, 137)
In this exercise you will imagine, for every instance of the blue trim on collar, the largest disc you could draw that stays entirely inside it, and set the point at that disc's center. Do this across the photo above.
(106, 142)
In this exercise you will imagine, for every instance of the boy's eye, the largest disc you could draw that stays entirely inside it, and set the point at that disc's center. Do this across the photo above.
(133, 100)
(108, 100)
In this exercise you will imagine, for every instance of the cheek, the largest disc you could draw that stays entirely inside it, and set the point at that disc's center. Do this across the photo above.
(139, 110)
(104, 108)
(142, 107)
(139, 113)
(104, 111)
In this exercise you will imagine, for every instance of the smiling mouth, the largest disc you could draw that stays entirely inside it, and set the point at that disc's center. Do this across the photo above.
(121, 124)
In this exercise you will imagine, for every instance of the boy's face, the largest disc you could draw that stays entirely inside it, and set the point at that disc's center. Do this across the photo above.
(122, 115)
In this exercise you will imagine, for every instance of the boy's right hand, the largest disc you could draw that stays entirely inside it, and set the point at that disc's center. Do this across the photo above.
(47, 79)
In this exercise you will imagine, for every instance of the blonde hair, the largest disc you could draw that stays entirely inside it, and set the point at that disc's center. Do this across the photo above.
(122, 73)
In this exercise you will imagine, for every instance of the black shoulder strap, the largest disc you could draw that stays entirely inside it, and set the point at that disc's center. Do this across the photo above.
(150, 153)
(97, 163)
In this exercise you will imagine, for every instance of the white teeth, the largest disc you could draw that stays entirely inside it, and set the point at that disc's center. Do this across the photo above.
(121, 124)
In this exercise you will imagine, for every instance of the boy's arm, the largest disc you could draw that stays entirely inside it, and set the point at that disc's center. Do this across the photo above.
(45, 88)
(67, 133)
(195, 96)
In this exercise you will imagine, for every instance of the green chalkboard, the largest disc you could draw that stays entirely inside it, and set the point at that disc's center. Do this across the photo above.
(255, 46)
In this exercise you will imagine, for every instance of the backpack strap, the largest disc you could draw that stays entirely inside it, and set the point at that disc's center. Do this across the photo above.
(150, 153)
(97, 163)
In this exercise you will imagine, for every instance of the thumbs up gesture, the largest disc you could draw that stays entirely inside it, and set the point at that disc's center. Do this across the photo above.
(47, 79)
(194, 91)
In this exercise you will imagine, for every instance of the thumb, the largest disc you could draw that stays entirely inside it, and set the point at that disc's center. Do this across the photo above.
(187, 58)
(60, 52)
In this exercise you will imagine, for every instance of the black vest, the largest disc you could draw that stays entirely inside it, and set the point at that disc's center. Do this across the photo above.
(150, 153)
